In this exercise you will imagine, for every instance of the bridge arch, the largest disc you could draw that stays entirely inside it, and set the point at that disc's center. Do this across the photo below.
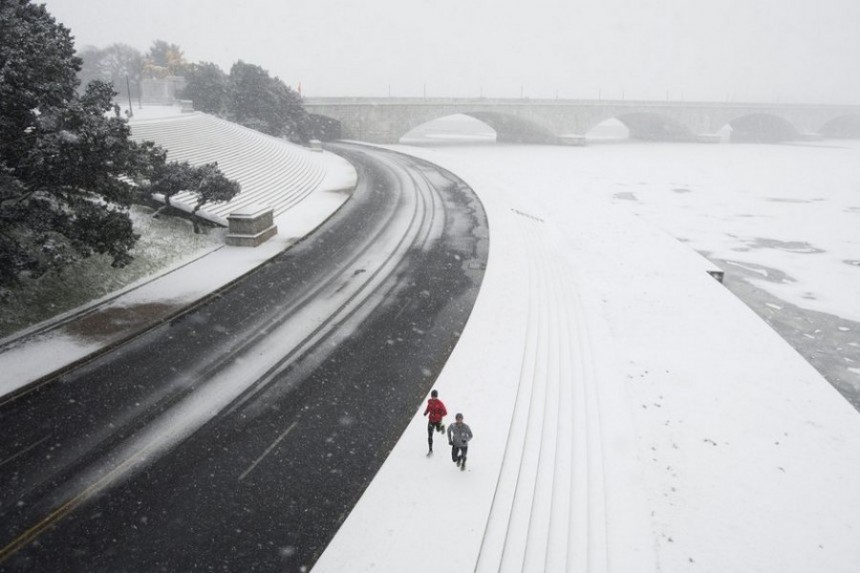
(453, 128)
(608, 130)
(509, 127)
(646, 126)
(842, 127)
(762, 128)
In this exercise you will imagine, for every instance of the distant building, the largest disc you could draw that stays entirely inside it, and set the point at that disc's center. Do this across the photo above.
(162, 91)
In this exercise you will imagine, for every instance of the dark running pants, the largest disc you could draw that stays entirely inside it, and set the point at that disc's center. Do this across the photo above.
(431, 426)
(459, 453)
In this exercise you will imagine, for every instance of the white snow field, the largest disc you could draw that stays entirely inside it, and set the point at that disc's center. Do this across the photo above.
(630, 414)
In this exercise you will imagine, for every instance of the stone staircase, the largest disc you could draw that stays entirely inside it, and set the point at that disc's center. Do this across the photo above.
(272, 172)
(548, 511)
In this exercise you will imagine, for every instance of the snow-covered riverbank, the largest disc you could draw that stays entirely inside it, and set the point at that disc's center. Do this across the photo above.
(704, 439)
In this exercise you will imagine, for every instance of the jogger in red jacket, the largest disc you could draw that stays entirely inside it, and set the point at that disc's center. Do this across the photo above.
(437, 411)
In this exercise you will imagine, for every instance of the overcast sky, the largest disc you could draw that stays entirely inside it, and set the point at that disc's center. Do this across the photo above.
(745, 50)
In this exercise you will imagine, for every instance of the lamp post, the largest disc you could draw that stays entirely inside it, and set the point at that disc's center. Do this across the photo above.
(128, 91)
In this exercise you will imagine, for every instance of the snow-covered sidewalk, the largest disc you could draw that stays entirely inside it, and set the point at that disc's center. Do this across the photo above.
(630, 414)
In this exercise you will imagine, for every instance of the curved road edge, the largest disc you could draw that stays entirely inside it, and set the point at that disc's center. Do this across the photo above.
(311, 406)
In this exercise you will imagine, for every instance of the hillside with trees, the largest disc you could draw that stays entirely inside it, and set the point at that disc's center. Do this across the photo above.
(68, 168)
(249, 96)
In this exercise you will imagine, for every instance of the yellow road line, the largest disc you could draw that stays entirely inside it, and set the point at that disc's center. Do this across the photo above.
(24, 451)
(70, 505)
(266, 453)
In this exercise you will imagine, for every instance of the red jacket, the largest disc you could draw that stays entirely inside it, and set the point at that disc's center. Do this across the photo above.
(436, 409)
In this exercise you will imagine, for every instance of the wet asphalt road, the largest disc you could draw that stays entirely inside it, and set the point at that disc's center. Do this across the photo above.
(263, 482)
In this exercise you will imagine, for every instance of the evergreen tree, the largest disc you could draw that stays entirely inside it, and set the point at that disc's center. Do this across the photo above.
(324, 128)
(266, 104)
(207, 86)
(206, 182)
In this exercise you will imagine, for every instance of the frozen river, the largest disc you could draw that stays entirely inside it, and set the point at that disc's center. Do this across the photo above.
(782, 221)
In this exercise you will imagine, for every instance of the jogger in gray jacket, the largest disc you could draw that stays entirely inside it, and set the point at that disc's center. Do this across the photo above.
(459, 435)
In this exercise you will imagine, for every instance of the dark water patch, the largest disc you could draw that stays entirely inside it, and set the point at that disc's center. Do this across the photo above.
(682, 190)
(828, 342)
(625, 196)
(747, 270)
(787, 200)
(853, 263)
(797, 247)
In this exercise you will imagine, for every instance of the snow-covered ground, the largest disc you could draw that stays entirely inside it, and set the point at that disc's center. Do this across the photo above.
(791, 208)
(630, 413)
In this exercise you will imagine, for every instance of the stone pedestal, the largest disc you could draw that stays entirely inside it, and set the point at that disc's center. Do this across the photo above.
(251, 226)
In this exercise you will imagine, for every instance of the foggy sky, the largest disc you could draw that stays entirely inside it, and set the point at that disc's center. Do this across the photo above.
(805, 51)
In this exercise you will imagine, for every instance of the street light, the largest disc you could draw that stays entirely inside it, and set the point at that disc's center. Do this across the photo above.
(128, 91)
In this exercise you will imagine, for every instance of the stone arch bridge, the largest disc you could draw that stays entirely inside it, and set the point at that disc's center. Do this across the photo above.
(386, 120)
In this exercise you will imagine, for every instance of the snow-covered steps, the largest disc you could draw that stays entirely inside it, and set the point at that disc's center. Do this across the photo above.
(271, 171)
(533, 497)
(548, 512)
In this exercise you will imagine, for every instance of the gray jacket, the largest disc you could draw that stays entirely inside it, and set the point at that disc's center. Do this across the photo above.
(460, 434)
